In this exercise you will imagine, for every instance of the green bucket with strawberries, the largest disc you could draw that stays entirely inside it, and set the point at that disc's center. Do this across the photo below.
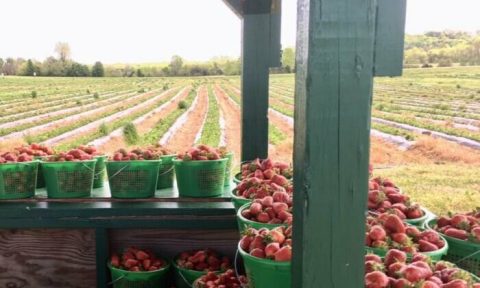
(184, 278)
(419, 222)
(465, 254)
(133, 179)
(165, 172)
(18, 180)
(200, 179)
(139, 279)
(263, 272)
(100, 168)
(70, 179)
(244, 223)
(237, 201)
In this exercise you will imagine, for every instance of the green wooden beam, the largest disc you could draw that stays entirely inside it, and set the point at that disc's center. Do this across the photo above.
(255, 70)
(390, 37)
(335, 42)
(275, 33)
(102, 252)
(235, 6)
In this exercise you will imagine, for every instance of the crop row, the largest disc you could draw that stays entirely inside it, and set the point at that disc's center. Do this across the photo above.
(211, 128)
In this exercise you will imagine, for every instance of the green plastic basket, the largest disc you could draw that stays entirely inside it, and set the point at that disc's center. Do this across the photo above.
(200, 178)
(228, 169)
(434, 255)
(143, 279)
(237, 178)
(69, 179)
(237, 201)
(133, 179)
(18, 180)
(165, 172)
(464, 254)
(100, 167)
(419, 222)
(244, 223)
(184, 278)
(40, 179)
(263, 272)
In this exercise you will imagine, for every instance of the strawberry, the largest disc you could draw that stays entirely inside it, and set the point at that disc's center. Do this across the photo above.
(271, 249)
(115, 260)
(425, 246)
(377, 233)
(376, 279)
(284, 254)
(457, 233)
(257, 252)
(395, 255)
(393, 224)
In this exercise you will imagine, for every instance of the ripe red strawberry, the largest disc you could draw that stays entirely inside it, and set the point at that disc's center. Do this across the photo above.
(284, 254)
(377, 233)
(395, 255)
(457, 233)
(115, 260)
(425, 246)
(259, 253)
(393, 224)
(376, 279)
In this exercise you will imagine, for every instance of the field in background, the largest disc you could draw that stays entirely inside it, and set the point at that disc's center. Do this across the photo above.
(442, 171)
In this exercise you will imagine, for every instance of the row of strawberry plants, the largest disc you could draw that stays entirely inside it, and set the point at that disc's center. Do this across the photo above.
(394, 131)
(211, 128)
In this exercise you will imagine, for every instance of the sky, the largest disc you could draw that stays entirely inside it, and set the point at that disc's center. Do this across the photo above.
(146, 31)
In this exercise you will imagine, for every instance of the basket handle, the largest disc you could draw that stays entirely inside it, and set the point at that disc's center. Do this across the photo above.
(183, 278)
(468, 256)
(236, 270)
(167, 171)
(116, 280)
(118, 172)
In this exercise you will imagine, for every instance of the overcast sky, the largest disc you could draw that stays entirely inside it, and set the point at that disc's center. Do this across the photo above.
(153, 30)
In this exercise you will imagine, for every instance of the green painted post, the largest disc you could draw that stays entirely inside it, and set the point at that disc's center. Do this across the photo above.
(255, 69)
(335, 48)
(101, 241)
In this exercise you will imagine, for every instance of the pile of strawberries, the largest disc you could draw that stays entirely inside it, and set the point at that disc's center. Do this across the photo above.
(266, 169)
(203, 260)
(276, 209)
(228, 279)
(384, 196)
(10, 157)
(159, 149)
(387, 231)
(255, 188)
(135, 154)
(72, 155)
(202, 153)
(89, 150)
(275, 244)
(36, 150)
(463, 226)
(134, 259)
(396, 271)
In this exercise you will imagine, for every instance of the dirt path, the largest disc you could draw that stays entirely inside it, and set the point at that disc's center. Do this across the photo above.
(231, 114)
(184, 137)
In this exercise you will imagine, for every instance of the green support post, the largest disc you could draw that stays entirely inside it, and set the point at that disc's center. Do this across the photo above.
(334, 80)
(101, 246)
(255, 69)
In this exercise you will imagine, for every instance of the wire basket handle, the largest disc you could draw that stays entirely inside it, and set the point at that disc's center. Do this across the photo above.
(119, 171)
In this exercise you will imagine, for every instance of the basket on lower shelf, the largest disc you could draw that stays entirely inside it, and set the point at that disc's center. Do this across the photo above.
(184, 278)
(144, 279)
(200, 178)
(464, 254)
(69, 179)
(100, 167)
(165, 172)
(133, 179)
(18, 180)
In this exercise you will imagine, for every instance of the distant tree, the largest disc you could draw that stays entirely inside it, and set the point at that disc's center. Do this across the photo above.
(77, 70)
(140, 73)
(175, 65)
(30, 69)
(128, 71)
(63, 51)
(9, 67)
(1, 64)
(288, 58)
(53, 67)
(97, 69)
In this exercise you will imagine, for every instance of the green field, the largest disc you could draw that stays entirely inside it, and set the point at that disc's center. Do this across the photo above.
(443, 100)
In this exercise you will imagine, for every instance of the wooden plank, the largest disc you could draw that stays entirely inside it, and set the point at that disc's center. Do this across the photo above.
(390, 37)
(47, 258)
(335, 42)
(255, 69)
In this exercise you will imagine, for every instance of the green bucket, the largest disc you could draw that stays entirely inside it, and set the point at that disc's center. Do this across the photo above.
(237, 178)
(69, 179)
(419, 222)
(184, 278)
(18, 180)
(40, 179)
(464, 254)
(99, 177)
(228, 169)
(165, 172)
(244, 223)
(237, 201)
(434, 255)
(142, 279)
(133, 179)
(200, 178)
(263, 272)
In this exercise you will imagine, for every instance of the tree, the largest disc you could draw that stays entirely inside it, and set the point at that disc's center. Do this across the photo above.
(175, 65)
(78, 70)
(1, 64)
(97, 69)
(10, 67)
(30, 69)
(288, 59)
(63, 51)
(53, 67)
(140, 73)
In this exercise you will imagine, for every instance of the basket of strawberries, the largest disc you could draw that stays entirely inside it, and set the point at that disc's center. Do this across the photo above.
(166, 170)
(133, 174)
(200, 172)
(18, 174)
(263, 169)
(228, 279)
(100, 167)
(269, 212)
(38, 151)
(255, 188)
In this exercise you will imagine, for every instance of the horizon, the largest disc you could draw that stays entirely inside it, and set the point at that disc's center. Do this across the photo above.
(148, 33)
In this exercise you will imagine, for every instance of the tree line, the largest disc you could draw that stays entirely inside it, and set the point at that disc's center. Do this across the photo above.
(443, 48)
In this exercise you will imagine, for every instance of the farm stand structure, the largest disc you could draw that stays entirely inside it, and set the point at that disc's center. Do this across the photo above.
(341, 46)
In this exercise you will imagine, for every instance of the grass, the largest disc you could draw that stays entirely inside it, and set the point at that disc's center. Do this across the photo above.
(211, 129)
(440, 188)
(275, 136)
